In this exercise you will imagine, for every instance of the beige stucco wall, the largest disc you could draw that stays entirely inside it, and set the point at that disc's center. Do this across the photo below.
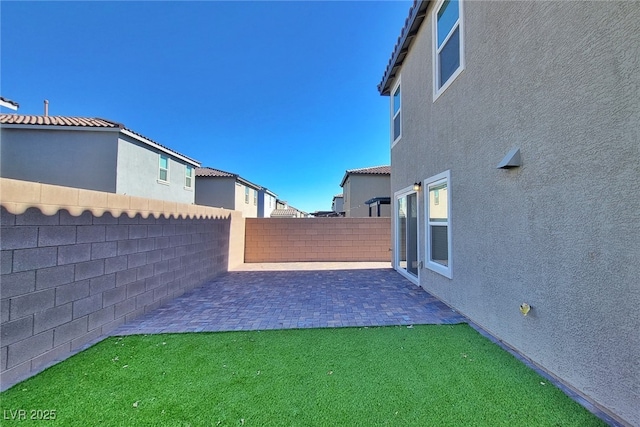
(358, 188)
(560, 81)
(249, 210)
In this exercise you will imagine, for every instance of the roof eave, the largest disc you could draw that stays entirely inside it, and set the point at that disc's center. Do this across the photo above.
(346, 175)
(417, 15)
(159, 147)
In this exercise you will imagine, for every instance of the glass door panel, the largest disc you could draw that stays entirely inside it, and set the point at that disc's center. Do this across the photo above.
(407, 234)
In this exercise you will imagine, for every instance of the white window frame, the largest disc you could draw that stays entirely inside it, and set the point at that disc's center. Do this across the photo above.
(188, 179)
(255, 197)
(246, 195)
(433, 181)
(396, 87)
(396, 244)
(160, 168)
(437, 91)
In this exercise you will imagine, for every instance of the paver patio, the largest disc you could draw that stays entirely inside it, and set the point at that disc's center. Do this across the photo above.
(297, 295)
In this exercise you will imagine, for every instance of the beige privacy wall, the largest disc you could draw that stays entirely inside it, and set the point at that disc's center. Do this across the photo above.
(317, 239)
(76, 264)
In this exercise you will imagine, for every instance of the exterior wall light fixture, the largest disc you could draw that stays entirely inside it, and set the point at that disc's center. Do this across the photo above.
(416, 186)
(511, 160)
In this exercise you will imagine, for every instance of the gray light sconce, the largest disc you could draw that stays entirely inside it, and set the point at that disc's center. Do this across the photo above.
(511, 160)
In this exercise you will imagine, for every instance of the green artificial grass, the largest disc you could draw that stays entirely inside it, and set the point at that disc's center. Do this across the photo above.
(423, 376)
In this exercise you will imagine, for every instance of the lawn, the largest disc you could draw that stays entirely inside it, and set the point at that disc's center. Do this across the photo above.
(432, 375)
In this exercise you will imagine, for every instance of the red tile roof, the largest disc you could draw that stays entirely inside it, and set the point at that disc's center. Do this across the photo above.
(20, 119)
(83, 122)
(374, 170)
(417, 15)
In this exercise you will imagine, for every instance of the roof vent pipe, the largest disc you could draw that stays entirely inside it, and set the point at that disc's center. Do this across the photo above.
(46, 107)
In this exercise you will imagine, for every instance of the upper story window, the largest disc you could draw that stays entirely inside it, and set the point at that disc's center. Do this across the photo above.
(246, 195)
(255, 197)
(188, 177)
(448, 61)
(396, 108)
(163, 174)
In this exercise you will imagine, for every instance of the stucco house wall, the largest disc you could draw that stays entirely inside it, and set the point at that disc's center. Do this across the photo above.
(138, 172)
(266, 203)
(560, 81)
(218, 192)
(82, 159)
(250, 209)
(90, 153)
(360, 188)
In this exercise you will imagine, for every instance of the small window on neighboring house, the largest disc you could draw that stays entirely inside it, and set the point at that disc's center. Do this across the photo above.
(438, 210)
(188, 177)
(255, 197)
(164, 168)
(448, 61)
(246, 195)
(396, 124)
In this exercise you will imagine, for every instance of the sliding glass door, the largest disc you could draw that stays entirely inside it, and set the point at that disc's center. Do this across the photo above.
(406, 244)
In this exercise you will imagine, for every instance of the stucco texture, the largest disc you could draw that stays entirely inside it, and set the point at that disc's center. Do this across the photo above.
(560, 81)
(82, 159)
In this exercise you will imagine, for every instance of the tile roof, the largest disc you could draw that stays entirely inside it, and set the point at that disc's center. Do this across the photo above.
(217, 173)
(20, 119)
(374, 170)
(284, 213)
(84, 122)
(206, 171)
(417, 14)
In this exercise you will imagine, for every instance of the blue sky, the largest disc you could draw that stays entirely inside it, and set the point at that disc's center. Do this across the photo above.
(282, 93)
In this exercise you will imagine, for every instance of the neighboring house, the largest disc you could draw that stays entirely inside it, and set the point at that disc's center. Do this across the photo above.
(283, 210)
(95, 154)
(227, 190)
(515, 132)
(337, 204)
(7, 103)
(266, 202)
(361, 185)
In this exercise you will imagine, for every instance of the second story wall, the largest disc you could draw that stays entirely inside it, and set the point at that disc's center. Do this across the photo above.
(139, 173)
(247, 204)
(266, 204)
(360, 188)
(81, 159)
(218, 192)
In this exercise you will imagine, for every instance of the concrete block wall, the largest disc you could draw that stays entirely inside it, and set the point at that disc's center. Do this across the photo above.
(66, 280)
(317, 239)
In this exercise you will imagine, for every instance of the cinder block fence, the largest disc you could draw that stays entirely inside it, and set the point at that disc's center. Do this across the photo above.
(76, 264)
(67, 279)
(317, 239)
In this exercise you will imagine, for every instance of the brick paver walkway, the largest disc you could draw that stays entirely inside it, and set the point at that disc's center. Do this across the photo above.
(262, 299)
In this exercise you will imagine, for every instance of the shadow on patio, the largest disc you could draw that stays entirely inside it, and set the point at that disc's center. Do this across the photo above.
(297, 295)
